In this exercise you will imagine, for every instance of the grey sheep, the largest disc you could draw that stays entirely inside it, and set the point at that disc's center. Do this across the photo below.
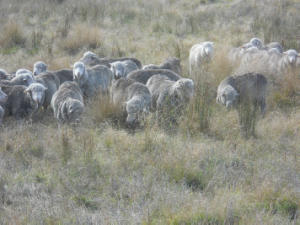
(169, 94)
(135, 95)
(24, 71)
(67, 103)
(143, 76)
(63, 75)
(22, 101)
(91, 59)
(52, 83)
(200, 53)
(22, 79)
(122, 68)
(39, 67)
(170, 63)
(96, 78)
(242, 89)
(3, 98)
(5, 76)
(258, 43)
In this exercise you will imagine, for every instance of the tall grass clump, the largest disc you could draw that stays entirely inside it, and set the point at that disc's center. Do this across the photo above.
(81, 37)
(12, 38)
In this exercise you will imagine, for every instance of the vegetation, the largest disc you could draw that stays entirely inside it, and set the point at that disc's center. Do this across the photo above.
(199, 169)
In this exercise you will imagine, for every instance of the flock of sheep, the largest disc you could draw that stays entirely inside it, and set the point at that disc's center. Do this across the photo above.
(139, 90)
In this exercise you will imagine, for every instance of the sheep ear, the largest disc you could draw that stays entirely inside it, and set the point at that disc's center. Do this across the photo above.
(27, 90)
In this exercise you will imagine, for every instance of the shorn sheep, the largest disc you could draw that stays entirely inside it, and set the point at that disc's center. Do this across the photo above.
(122, 68)
(247, 92)
(91, 80)
(67, 103)
(22, 101)
(135, 95)
(168, 94)
(170, 63)
(3, 98)
(200, 53)
(143, 76)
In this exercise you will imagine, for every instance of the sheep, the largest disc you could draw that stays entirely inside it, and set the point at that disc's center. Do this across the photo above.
(169, 94)
(5, 76)
(200, 53)
(24, 71)
(92, 79)
(67, 103)
(246, 92)
(258, 43)
(136, 96)
(122, 69)
(3, 98)
(143, 76)
(52, 83)
(22, 79)
(273, 51)
(241, 89)
(90, 59)
(274, 66)
(22, 101)
(235, 54)
(39, 67)
(170, 63)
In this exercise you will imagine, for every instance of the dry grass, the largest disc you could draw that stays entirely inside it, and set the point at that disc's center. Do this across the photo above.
(199, 170)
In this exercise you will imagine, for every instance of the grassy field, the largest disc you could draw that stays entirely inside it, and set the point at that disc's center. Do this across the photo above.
(201, 170)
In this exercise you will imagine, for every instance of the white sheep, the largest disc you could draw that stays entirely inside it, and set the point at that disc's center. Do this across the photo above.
(200, 53)
(96, 78)
(122, 68)
(170, 63)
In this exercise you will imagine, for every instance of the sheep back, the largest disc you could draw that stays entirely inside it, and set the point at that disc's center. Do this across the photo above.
(143, 76)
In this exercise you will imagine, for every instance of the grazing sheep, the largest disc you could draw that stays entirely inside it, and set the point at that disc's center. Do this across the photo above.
(171, 63)
(169, 94)
(22, 101)
(122, 69)
(67, 103)
(51, 82)
(135, 95)
(39, 67)
(200, 53)
(143, 76)
(3, 98)
(22, 79)
(241, 89)
(90, 80)
(91, 59)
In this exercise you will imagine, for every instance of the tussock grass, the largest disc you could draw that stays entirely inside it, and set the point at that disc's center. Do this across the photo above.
(199, 169)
